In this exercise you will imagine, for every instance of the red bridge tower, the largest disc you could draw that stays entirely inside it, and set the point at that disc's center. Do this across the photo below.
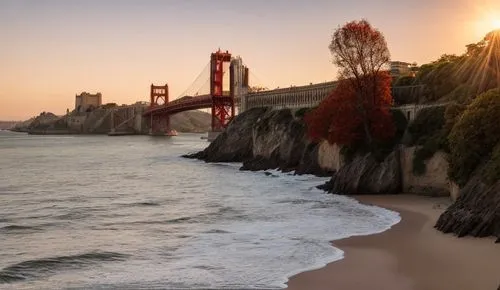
(222, 102)
(159, 123)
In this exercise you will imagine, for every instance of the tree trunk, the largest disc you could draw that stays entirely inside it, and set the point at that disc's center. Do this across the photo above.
(368, 135)
(362, 110)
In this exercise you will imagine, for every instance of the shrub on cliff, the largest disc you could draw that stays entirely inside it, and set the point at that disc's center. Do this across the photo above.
(427, 132)
(474, 136)
(427, 122)
(491, 172)
(300, 113)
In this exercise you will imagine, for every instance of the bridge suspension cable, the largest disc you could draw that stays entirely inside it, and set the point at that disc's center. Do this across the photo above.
(198, 83)
(253, 79)
(201, 85)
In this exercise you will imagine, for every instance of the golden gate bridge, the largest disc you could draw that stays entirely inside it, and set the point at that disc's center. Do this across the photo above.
(218, 92)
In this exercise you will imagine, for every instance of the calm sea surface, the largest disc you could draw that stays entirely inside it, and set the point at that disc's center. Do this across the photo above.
(98, 212)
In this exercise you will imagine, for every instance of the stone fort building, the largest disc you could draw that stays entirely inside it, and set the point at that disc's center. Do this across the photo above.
(86, 102)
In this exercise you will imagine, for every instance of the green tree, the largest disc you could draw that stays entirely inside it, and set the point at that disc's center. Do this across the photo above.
(474, 135)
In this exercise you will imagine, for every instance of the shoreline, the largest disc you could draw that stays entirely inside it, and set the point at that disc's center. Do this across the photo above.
(410, 255)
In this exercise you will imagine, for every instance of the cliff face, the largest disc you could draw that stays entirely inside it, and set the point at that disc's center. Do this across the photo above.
(364, 175)
(274, 139)
(434, 182)
(278, 141)
(235, 143)
(265, 139)
(476, 212)
(40, 122)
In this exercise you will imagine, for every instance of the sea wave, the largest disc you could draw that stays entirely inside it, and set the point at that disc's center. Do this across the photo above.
(32, 269)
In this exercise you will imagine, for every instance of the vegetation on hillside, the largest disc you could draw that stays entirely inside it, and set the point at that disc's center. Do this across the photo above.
(460, 78)
(475, 136)
(456, 80)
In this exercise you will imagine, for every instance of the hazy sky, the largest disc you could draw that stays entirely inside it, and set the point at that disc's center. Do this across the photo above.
(52, 50)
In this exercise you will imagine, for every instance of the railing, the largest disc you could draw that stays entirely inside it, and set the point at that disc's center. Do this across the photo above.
(292, 97)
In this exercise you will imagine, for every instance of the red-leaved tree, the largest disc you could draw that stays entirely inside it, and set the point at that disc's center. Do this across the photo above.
(358, 108)
(337, 118)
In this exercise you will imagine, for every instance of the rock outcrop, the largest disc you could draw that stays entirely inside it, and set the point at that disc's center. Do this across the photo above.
(264, 139)
(310, 162)
(476, 212)
(278, 142)
(364, 175)
(40, 122)
(235, 143)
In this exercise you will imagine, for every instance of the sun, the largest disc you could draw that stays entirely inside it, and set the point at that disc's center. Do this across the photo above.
(495, 23)
(486, 21)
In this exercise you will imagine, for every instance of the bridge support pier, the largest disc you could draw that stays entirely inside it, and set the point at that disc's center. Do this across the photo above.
(160, 123)
(160, 126)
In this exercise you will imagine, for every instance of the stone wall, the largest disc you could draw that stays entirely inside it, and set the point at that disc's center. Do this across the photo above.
(329, 157)
(76, 122)
(433, 182)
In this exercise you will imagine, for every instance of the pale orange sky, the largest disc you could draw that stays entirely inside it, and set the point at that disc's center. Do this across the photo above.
(52, 50)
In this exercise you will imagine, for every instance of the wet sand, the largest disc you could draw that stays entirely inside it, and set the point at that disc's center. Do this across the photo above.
(411, 255)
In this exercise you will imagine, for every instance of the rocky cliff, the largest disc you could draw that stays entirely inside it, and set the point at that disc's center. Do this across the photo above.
(264, 139)
(365, 175)
(476, 212)
(41, 122)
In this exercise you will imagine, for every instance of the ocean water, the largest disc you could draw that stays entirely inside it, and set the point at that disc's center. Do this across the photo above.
(98, 212)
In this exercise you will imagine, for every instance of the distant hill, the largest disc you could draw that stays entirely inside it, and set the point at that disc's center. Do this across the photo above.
(7, 125)
(191, 121)
(44, 120)
(188, 122)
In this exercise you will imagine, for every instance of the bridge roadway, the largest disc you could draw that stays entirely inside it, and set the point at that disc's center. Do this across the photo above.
(186, 103)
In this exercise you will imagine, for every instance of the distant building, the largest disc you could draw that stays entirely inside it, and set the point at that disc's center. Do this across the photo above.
(87, 102)
(402, 69)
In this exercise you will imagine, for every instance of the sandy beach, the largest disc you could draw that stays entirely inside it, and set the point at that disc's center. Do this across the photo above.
(411, 255)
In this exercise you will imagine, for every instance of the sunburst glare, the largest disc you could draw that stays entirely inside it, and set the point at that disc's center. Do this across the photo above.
(495, 23)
